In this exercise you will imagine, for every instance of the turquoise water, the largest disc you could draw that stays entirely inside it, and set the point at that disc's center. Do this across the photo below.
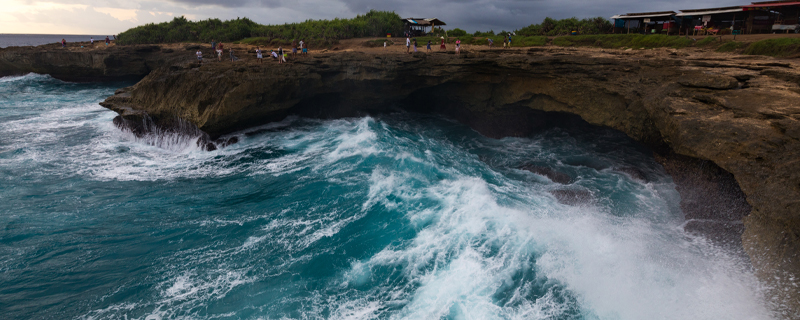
(401, 216)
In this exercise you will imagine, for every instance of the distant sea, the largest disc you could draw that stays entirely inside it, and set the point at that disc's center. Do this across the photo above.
(16, 40)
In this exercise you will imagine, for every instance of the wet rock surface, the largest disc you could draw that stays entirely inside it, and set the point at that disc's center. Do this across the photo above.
(553, 175)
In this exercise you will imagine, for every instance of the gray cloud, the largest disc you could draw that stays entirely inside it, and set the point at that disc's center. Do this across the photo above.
(470, 15)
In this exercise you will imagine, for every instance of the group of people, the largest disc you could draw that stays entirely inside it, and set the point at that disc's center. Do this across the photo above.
(506, 41)
(91, 41)
(279, 55)
(442, 46)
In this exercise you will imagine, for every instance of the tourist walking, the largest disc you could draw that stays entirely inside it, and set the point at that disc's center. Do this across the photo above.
(233, 57)
(509, 41)
(429, 47)
(213, 45)
(199, 56)
(294, 49)
(491, 43)
(259, 57)
(220, 48)
(442, 47)
(408, 44)
(458, 47)
(505, 41)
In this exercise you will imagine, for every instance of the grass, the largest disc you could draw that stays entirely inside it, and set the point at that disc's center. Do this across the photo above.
(707, 41)
(517, 41)
(731, 46)
(624, 40)
(782, 47)
(378, 43)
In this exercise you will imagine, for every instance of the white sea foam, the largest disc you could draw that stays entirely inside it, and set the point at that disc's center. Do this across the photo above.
(615, 267)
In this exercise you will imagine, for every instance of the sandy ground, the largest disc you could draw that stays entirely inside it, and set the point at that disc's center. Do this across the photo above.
(246, 53)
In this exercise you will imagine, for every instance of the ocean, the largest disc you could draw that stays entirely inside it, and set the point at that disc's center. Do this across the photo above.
(398, 216)
(19, 40)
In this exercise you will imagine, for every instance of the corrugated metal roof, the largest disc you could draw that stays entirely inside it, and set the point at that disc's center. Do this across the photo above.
(771, 4)
(708, 12)
(644, 15)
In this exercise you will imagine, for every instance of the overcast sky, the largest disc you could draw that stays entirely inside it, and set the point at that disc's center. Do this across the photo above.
(100, 17)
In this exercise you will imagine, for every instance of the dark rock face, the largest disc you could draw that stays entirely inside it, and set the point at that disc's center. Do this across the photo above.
(84, 64)
(553, 175)
(740, 118)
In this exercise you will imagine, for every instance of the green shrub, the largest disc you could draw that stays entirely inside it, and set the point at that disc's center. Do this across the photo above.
(780, 47)
(327, 32)
(456, 33)
(553, 27)
(623, 40)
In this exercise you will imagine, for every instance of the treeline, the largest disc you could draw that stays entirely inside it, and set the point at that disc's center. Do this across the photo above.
(548, 27)
(373, 24)
(553, 27)
(325, 32)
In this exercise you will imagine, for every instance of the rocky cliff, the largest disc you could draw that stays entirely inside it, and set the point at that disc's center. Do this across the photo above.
(98, 63)
(726, 127)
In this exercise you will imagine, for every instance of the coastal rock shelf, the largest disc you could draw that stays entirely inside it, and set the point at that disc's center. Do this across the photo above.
(726, 127)
(100, 63)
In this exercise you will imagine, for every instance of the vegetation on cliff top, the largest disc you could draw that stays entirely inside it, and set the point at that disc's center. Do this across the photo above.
(624, 40)
(372, 24)
(781, 47)
(553, 27)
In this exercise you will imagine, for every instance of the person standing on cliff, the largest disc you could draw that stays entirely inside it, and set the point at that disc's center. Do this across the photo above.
(213, 45)
(491, 43)
(219, 52)
(108, 41)
(199, 56)
(91, 41)
(259, 57)
(233, 57)
(294, 49)
(280, 55)
(63, 43)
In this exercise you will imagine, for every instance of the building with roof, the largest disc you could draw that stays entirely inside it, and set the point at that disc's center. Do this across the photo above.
(645, 22)
(785, 15)
(417, 27)
(722, 20)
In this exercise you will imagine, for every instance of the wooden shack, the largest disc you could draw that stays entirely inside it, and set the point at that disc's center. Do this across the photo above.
(645, 22)
(724, 20)
(418, 27)
(784, 16)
